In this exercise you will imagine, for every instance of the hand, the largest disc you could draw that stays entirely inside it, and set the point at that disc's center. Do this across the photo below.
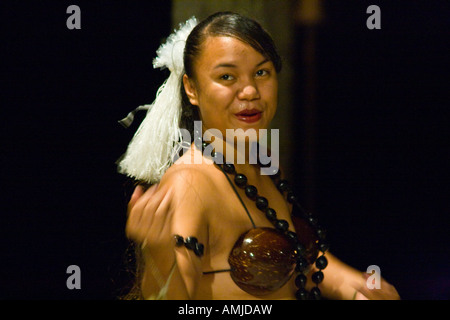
(147, 215)
(386, 291)
(171, 207)
(138, 192)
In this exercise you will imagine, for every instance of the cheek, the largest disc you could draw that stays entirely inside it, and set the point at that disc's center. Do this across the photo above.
(222, 93)
(214, 101)
(216, 97)
(270, 94)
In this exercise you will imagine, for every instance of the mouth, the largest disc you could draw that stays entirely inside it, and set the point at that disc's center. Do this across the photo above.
(249, 116)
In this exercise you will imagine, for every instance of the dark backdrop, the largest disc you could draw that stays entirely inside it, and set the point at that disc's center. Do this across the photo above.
(381, 184)
(381, 161)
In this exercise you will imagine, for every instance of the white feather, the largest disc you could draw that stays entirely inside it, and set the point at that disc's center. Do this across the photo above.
(170, 54)
(158, 139)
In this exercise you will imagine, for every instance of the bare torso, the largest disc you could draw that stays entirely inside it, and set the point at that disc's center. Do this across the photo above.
(227, 220)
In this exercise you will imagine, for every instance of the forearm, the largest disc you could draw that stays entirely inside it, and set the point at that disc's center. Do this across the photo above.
(166, 283)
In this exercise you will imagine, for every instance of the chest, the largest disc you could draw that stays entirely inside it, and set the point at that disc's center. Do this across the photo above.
(236, 213)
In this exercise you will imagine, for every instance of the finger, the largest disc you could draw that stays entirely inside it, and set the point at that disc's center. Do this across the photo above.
(140, 219)
(149, 203)
(139, 191)
(385, 292)
(362, 290)
(138, 201)
(154, 220)
(358, 285)
(360, 296)
(136, 208)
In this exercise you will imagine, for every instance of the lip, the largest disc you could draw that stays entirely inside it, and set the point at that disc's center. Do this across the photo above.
(249, 116)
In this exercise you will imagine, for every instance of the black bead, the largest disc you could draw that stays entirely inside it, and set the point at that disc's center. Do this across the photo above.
(240, 180)
(291, 197)
(302, 264)
(271, 214)
(292, 236)
(261, 203)
(179, 241)
(301, 250)
(323, 246)
(190, 242)
(276, 175)
(315, 294)
(251, 192)
(229, 168)
(281, 225)
(198, 250)
(321, 262)
(283, 186)
(301, 294)
(312, 221)
(317, 277)
(217, 157)
(300, 281)
(321, 233)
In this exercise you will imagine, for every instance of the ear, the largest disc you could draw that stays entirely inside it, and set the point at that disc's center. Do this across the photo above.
(190, 90)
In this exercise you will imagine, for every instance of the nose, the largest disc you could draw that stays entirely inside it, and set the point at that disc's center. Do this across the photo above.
(249, 91)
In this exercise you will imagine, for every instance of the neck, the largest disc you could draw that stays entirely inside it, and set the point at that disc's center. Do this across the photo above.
(241, 148)
(243, 154)
(240, 151)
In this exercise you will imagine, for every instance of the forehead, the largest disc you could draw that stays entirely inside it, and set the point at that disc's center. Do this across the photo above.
(217, 49)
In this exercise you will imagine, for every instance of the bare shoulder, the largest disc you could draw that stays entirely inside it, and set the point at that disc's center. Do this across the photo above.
(191, 177)
(191, 184)
(191, 170)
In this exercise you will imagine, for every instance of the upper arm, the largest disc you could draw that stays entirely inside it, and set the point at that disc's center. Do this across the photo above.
(185, 215)
(190, 206)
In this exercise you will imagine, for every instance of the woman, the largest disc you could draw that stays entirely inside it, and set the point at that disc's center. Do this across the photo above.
(221, 231)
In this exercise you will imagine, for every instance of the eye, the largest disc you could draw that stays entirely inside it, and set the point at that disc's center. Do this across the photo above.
(226, 77)
(261, 73)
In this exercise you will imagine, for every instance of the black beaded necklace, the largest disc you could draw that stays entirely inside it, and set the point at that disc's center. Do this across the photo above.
(281, 225)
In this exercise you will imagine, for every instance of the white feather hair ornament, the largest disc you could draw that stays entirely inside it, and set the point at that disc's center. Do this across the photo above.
(158, 139)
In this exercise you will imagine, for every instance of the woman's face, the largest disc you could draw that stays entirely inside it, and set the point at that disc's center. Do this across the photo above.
(234, 87)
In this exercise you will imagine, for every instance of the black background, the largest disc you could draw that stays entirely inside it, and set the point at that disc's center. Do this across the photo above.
(381, 163)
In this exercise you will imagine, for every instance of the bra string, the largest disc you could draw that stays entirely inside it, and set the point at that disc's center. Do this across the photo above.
(239, 197)
(216, 271)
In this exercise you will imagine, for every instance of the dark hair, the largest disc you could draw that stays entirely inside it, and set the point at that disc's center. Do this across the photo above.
(227, 24)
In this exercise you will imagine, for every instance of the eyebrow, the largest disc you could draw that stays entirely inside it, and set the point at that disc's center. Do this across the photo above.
(230, 65)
